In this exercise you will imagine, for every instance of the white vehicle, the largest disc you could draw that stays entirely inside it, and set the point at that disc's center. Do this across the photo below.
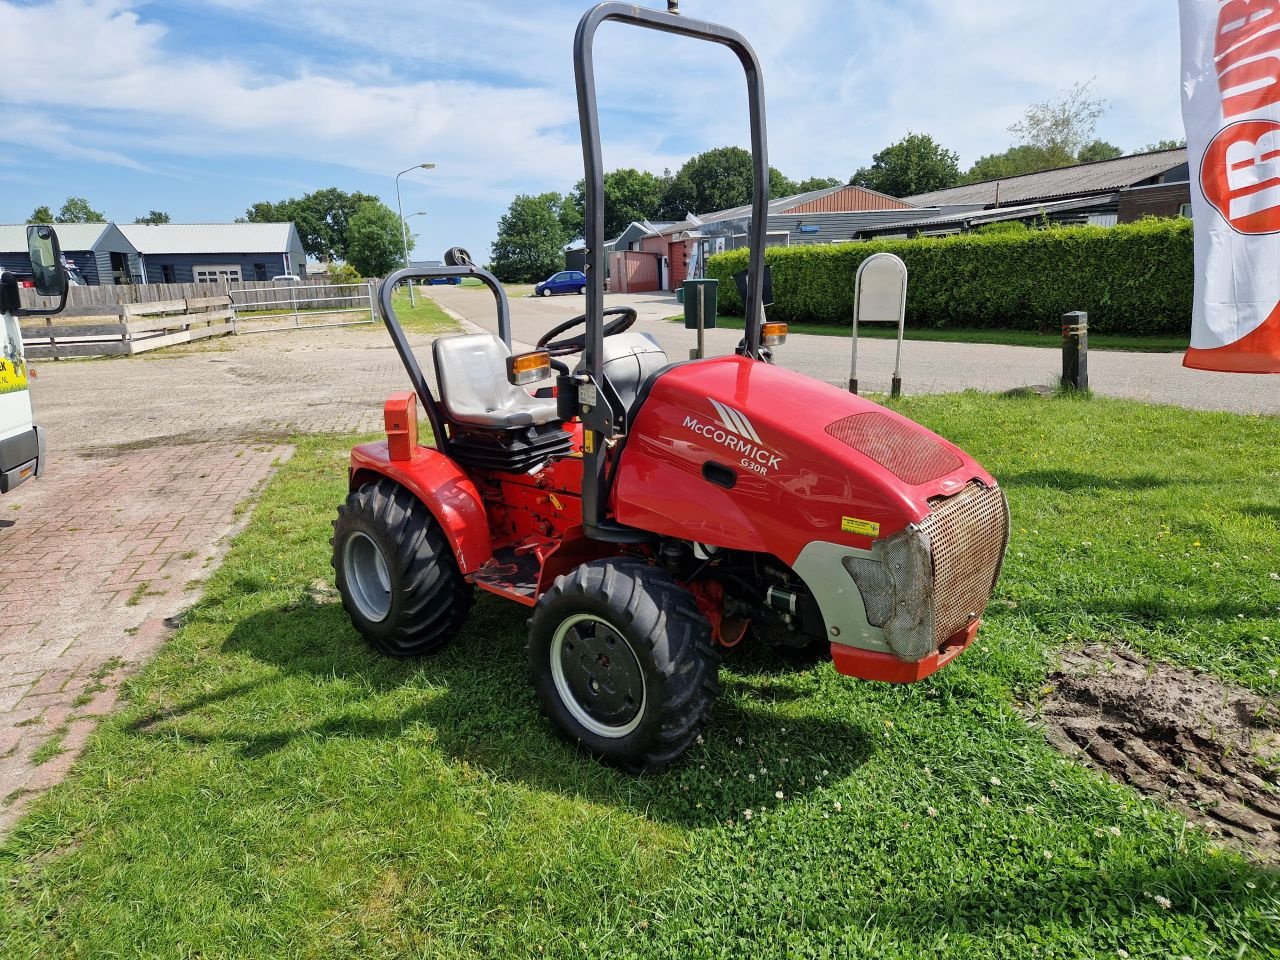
(22, 443)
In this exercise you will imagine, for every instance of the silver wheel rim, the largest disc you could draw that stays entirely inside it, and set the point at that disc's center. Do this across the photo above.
(368, 580)
(573, 680)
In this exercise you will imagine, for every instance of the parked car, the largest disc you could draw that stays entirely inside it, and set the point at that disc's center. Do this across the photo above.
(566, 281)
(438, 281)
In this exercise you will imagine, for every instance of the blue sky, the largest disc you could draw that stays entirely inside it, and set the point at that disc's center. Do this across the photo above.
(202, 108)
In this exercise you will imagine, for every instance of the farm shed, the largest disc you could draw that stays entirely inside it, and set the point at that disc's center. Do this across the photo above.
(196, 252)
(100, 251)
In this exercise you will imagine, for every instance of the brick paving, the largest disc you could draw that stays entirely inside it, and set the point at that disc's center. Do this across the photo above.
(149, 458)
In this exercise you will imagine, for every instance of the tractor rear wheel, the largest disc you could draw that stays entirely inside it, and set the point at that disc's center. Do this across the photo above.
(623, 664)
(395, 571)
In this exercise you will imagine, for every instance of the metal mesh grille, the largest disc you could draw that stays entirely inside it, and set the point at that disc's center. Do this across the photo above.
(968, 533)
(910, 455)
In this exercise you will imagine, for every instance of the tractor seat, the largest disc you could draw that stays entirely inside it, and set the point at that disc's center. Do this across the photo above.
(474, 389)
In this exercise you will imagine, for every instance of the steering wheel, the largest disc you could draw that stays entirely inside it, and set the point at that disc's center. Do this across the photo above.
(559, 348)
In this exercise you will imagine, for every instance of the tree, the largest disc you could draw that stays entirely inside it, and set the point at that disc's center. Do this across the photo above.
(322, 219)
(372, 239)
(915, 164)
(41, 215)
(531, 239)
(816, 183)
(343, 273)
(629, 195)
(155, 216)
(1098, 150)
(77, 210)
(1062, 125)
(1016, 161)
(1165, 145)
(716, 180)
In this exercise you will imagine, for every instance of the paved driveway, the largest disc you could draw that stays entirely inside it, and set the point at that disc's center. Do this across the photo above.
(926, 367)
(149, 458)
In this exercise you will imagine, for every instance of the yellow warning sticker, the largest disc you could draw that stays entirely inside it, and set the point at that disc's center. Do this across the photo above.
(866, 528)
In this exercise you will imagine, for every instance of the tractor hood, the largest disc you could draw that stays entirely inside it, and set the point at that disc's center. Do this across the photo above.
(745, 455)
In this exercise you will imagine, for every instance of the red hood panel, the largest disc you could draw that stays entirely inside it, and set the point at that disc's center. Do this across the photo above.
(807, 461)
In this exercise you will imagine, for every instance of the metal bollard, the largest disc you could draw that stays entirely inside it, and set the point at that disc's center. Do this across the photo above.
(1075, 350)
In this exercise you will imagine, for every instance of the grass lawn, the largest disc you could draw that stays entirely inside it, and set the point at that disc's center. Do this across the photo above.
(513, 289)
(271, 789)
(1012, 338)
(424, 317)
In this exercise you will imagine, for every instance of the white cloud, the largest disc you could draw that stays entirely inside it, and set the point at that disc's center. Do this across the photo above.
(486, 90)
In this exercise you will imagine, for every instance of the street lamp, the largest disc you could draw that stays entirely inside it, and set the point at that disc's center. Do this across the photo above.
(404, 233)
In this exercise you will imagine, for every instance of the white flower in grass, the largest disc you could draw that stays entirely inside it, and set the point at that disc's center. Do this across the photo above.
(984, 800)
(780, 795)
(826, 773)
(1048, 854)
(995, 781)
(698, 740)
(1121, 952)
(739, 741)
(1163, 901)
(1274, 576)
(1272, 673)
(837, 807)
(826, 816)
(747, 814)
(931, 811)
(1115, 831)
(751, 777)
(1099, 832)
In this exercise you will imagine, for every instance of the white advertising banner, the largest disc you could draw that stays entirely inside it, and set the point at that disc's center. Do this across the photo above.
(1231, 105)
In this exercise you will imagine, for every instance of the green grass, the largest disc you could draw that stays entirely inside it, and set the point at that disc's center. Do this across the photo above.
(424, 317)
(272, 789)
(512, 289)
(1012, 338)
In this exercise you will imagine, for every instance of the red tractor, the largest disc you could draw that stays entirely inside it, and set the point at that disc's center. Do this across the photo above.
(651, 512)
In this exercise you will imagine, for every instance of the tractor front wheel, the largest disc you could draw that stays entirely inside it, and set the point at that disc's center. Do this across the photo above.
(396, 572)
(623, 664)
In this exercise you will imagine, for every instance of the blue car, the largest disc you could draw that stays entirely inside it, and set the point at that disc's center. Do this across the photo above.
(566, 281)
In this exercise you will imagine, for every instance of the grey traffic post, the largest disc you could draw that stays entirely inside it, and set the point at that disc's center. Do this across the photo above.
(880, 296)
(1075, 350)
(701, 303)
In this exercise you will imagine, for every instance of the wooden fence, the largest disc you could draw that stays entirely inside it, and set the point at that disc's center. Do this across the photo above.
(123, 329)
(316, 293)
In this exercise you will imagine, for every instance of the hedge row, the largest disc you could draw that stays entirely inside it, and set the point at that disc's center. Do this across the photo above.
(1134, 278)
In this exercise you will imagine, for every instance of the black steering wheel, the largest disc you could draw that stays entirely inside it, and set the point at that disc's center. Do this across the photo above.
(559, 348)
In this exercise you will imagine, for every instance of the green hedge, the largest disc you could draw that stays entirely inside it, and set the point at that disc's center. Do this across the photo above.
(1134, 278)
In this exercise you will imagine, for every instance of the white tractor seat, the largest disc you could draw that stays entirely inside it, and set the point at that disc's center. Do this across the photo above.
(474, 389)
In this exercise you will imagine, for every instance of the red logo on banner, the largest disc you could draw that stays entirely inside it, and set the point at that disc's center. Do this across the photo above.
(1240, 176)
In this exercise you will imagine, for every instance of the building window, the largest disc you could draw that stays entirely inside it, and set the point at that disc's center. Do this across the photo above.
(1185, 211)
(259, 271)
(166, 273)
(213, 274)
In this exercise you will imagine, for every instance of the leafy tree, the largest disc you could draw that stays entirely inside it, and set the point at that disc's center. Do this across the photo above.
(41, 215)
(716, 180)
(343, 273)
(322, 219)
(1016, 161)
(1165, 145)
(531, 239)
(1098, 150)
(77, 210)
(1063, 124)
(155, 216)
(629, 195)
(915, 164)
(815, 183)
(372, 239)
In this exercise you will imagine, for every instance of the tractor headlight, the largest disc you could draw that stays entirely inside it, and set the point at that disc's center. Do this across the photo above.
(897, 592)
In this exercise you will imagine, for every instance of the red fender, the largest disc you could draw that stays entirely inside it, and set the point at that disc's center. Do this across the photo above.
(433, 478)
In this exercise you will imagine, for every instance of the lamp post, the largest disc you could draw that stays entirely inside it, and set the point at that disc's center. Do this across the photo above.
(404, 233)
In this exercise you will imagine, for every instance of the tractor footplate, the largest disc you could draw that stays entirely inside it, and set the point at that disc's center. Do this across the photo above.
(511, 575)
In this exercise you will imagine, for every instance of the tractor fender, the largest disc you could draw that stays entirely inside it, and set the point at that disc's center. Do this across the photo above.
(440, 484)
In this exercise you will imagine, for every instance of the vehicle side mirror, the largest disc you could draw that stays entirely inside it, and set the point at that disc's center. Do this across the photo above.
(47, 269)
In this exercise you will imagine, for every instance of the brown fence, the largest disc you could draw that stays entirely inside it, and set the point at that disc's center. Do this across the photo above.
(123, 329)
(316, 293)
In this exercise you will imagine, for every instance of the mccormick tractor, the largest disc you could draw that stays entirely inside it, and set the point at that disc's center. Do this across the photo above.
(22, 453)
(650, 511)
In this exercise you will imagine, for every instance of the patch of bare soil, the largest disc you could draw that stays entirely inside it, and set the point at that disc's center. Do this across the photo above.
(1209, 749)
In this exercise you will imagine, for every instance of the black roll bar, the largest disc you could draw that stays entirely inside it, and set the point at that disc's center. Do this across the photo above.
(411, 366)
(593, 462)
